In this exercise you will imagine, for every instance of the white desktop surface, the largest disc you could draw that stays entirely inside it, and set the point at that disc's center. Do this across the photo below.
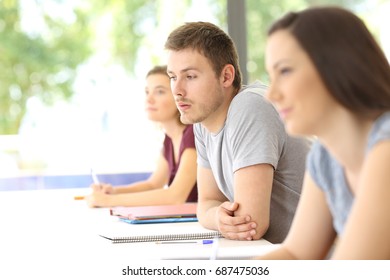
(47, 232)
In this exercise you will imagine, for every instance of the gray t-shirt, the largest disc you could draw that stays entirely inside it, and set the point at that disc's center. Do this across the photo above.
(328, 173)
(254, 134)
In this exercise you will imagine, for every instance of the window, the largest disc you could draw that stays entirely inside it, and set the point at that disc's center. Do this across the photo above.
(72, 93)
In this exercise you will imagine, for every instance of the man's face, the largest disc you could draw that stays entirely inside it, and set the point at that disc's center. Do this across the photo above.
(197, 91)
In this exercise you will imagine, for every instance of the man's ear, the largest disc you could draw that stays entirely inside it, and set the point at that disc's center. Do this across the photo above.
(227, 75)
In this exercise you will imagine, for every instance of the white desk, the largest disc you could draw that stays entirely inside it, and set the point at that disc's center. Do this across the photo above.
(47, 232)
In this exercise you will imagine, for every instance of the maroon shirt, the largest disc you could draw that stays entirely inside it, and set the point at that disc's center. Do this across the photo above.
(187, 141)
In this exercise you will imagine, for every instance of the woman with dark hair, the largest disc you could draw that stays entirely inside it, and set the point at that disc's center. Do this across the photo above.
(174, 179)
(329, 78)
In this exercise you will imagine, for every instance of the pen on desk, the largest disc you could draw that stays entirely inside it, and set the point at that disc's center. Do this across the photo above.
(204, 242)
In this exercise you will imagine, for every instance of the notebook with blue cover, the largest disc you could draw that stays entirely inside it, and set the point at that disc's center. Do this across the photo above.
(160, 220)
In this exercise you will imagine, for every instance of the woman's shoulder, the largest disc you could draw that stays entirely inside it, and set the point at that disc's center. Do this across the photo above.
(321, 165)
(380, 130)
(188, 139)
(188, 131)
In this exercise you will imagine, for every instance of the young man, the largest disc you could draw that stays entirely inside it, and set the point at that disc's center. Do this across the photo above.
(250, 171)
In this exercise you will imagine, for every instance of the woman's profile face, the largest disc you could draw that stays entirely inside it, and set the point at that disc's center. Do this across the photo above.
(159, 101)
(296, 89)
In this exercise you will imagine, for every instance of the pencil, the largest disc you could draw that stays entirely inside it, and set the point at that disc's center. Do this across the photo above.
(94, 178)
(79, 197)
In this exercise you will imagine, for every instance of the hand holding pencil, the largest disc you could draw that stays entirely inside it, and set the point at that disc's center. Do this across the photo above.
(97, 187)
(100, 193)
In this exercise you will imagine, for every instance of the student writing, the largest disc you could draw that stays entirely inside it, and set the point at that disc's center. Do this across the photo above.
(176, 166)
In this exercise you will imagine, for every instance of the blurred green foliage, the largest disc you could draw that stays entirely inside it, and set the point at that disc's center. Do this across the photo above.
(40, 65)
(44, 65)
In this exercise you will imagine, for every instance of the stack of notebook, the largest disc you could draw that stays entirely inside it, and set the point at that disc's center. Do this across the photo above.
(147, 216)
(156, 214)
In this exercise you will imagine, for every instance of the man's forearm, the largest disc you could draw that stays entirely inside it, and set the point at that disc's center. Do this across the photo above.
(207, 211)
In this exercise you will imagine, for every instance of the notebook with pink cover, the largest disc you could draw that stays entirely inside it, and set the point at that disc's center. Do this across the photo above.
(155, 212)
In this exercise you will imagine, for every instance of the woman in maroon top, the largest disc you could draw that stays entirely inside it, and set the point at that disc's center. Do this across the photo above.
(174, 179)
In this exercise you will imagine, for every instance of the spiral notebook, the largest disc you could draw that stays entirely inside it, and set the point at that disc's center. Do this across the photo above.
(130, 233)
